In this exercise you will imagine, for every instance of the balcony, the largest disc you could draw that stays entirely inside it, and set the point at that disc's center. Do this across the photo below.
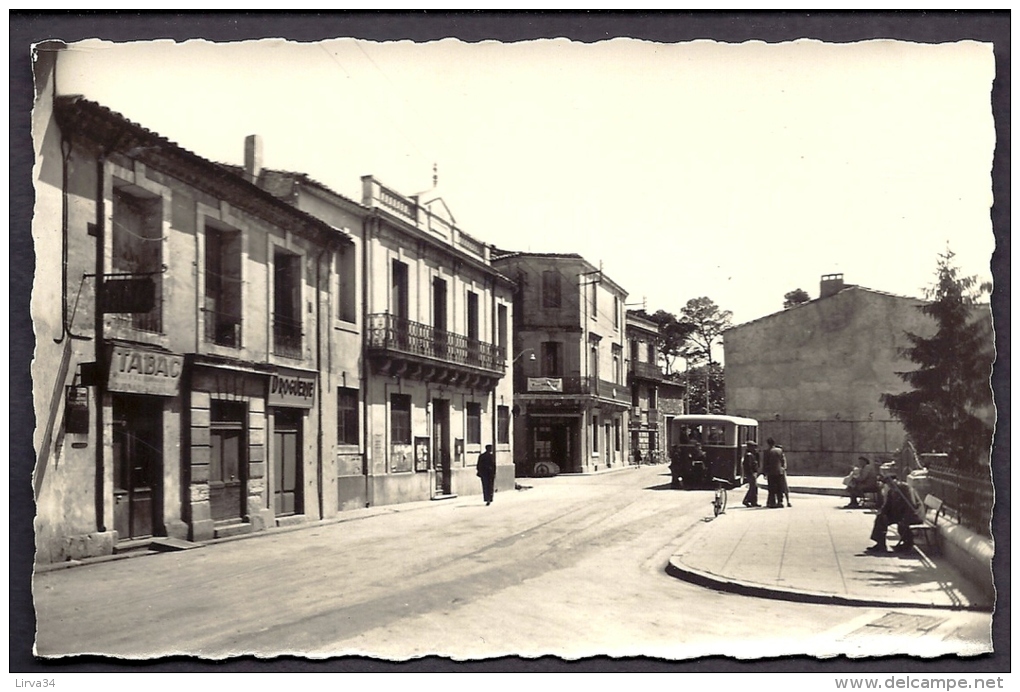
(411, 349)
(645, 371)
(573, 386)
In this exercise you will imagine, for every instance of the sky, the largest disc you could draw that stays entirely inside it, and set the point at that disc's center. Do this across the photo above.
(734, 171)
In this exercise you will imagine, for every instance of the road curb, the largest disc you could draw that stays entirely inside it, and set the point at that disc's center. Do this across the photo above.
(678, 569)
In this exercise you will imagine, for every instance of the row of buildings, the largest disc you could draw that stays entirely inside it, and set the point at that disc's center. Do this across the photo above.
(223, 349)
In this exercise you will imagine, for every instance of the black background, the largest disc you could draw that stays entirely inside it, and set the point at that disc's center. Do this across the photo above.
(27, 28)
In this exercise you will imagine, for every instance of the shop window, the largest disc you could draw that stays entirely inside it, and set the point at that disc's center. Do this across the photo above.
(222, 286)
(347, 416)
(474, 424)
(551, 297)
(400, 419)
(595, 434)
(138, 248)
(616, 434)
(287, 304)
(503, 425)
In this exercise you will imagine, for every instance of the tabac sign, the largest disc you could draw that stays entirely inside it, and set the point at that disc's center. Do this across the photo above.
(293, 388)
(138, 370)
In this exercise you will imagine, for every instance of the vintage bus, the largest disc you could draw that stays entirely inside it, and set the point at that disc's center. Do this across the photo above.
(710, 446)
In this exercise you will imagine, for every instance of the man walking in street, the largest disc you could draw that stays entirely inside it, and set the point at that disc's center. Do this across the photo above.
(486, 470)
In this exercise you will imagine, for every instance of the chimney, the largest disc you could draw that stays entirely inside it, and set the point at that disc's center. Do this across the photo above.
(252, 157)
(831, 285)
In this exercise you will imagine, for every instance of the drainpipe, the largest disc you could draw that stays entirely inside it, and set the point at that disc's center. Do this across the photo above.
(99, 326)
(366, 231)
(318, 366)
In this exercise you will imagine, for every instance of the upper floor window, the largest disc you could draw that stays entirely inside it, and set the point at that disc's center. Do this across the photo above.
(287, 303)
(472, 316)
(594, 300)
(616, 312)
(222, 286)
(617, 364)
(552, 359)
(551, 289)
(138, 248)
(501, 327)
(347, 293)
(398, 294)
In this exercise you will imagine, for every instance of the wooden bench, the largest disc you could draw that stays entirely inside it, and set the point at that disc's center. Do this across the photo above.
(928, 527)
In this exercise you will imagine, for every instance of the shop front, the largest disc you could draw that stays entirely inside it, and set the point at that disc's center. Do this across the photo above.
(143, 382)
(291, 397)
(226, 449)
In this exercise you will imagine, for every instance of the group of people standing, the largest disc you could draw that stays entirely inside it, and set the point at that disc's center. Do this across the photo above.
(774, 467)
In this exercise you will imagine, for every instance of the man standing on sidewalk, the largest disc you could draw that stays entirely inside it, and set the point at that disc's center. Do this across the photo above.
(775, 468)
(486, 470)
(750, 467)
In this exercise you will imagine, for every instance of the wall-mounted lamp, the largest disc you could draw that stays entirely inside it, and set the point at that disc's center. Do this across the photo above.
(531, 359)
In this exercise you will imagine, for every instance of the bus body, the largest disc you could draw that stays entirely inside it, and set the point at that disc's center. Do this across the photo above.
(722, 441)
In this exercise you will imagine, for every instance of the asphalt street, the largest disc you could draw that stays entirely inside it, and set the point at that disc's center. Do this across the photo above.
(574, 567)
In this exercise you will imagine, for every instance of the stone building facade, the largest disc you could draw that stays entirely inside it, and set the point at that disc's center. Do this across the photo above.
(571, 397)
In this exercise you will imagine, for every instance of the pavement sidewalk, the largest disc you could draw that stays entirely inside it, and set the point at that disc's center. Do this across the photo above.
(814, 552)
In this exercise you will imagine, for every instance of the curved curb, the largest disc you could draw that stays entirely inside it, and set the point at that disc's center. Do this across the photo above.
(676, 568)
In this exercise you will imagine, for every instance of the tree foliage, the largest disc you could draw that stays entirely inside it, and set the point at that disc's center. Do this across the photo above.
(672, 337)
(951, 384)
(795, 297)
(706, 323)
(706, 389)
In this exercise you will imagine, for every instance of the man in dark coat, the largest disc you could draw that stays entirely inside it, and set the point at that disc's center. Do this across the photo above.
(898, 508)
(486, 470)
(775, 468)
(750, 468)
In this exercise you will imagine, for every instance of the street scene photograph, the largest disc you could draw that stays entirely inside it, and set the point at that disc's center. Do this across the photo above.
(485, 349)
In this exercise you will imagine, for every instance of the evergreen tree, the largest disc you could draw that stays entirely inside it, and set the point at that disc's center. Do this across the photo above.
(951, 383)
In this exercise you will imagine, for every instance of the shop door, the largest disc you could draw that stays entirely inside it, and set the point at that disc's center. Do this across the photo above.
(229, 461)
(137, 465)
(287, 462)
(441, 445)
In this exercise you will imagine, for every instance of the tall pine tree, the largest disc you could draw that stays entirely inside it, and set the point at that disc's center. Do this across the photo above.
(951, 383)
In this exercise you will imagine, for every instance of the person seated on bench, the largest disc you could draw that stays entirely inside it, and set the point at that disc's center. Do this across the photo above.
(898, 508)
(862, 483)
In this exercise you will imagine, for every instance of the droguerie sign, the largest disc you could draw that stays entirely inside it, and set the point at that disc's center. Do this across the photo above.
(293, 388)
(141, 371)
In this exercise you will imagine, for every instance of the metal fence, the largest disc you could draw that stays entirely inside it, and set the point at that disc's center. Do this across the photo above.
(966, 490)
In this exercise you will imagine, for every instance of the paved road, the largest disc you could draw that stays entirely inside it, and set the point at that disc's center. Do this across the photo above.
(573, 567)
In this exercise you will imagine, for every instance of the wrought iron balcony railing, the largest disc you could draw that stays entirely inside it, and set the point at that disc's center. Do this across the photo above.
(287, 337)
(647, 371)
(388, 332)
(223, 329)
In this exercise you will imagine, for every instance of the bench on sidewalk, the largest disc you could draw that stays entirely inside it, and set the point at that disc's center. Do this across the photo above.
(928, 527)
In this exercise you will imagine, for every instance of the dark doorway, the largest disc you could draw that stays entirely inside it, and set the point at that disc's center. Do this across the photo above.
(441, 445)
(553, 441)
(137, 465)
(228, 464)
(287, 462)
